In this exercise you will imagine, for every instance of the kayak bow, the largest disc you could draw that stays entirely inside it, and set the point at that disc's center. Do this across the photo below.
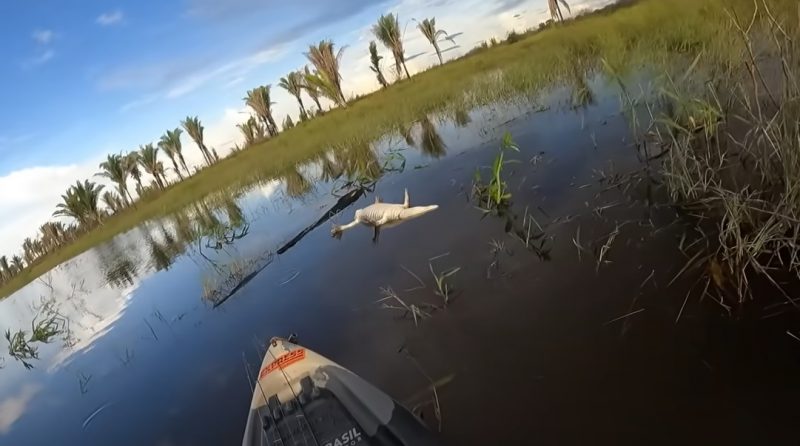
(302, 398)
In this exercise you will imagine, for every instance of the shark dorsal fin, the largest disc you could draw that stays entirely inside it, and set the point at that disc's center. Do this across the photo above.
(378, 199)
(406, 200)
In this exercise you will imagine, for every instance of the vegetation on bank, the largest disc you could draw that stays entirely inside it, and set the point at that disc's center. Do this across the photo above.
(649, 33)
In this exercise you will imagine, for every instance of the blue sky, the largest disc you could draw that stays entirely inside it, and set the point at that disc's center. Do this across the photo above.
(135, 67)
(85, 78)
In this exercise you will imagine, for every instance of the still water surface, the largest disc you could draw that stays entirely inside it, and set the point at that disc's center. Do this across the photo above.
(538, 344)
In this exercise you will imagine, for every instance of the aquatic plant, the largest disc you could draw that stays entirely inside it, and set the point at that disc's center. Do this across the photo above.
(444, 288)
(494, 195)
(389, 296)
(20, 348)
(731, 141)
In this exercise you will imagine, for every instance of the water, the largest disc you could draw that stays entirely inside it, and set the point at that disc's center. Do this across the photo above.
(536, 346)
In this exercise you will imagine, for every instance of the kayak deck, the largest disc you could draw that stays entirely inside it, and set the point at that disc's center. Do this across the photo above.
(314, 417)
(303, 399)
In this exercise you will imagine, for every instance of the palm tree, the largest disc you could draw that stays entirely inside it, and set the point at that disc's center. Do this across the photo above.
(329, 168)
(555, 9)
(287, 123)
(170, 143)
(17, 263)
(175, 137)
(131, 163)
(235, 214)
(116, 168)
(431, 142)
(27, 251)
(359, 160)
(52, 234)
(461, 117)
(112, 201)
(195, 129)
(326, 79)
(38, 248)
(387, 30)
(5, 271)
(311, 90)
(252, 130)
(259, 100)
(428, 28)
(80, 203)
(376, 63)
(297, 185)
(293, 83)
(148, 158)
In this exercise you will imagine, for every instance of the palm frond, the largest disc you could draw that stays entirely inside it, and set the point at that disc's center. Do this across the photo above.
(327, 71)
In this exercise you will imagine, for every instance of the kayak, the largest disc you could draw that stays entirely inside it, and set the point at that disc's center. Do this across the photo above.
(301, 398)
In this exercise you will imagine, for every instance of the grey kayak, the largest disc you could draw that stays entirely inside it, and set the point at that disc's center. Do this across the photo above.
(302, 398)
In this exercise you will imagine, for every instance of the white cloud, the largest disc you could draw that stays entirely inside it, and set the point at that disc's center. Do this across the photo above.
(31, 195)
(13, 408)
(43, 36)
(110, 18)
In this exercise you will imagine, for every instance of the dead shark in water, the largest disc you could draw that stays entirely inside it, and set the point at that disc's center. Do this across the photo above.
(384, 215)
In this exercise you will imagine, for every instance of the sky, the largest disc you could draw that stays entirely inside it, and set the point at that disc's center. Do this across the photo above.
(85, 78)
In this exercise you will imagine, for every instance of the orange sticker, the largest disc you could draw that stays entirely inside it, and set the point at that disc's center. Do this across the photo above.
(284, 361)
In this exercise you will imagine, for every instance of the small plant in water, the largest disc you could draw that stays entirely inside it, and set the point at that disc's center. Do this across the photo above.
(443, 287)
(494, 196)
(20, 349)
(83, 382)
(392, 301)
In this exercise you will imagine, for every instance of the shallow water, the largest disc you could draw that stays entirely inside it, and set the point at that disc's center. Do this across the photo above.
(535, 347)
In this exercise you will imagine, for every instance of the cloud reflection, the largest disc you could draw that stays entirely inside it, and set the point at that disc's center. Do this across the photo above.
(13, 407)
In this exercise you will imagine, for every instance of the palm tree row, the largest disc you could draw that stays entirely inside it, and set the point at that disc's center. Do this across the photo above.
(88, 203)
(325, 79)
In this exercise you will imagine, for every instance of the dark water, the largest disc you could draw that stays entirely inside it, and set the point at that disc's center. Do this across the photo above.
(536, 346)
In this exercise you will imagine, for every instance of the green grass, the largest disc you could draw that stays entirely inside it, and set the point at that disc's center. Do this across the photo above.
(648, 33)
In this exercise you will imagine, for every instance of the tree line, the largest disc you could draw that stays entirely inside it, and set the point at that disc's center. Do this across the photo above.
(87, 203)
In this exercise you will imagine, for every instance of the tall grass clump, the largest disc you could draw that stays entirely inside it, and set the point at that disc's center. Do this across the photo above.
(732, 126)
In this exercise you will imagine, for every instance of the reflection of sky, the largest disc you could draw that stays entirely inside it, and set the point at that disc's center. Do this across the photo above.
(15, 406)
(115, 329)
(89, 306)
